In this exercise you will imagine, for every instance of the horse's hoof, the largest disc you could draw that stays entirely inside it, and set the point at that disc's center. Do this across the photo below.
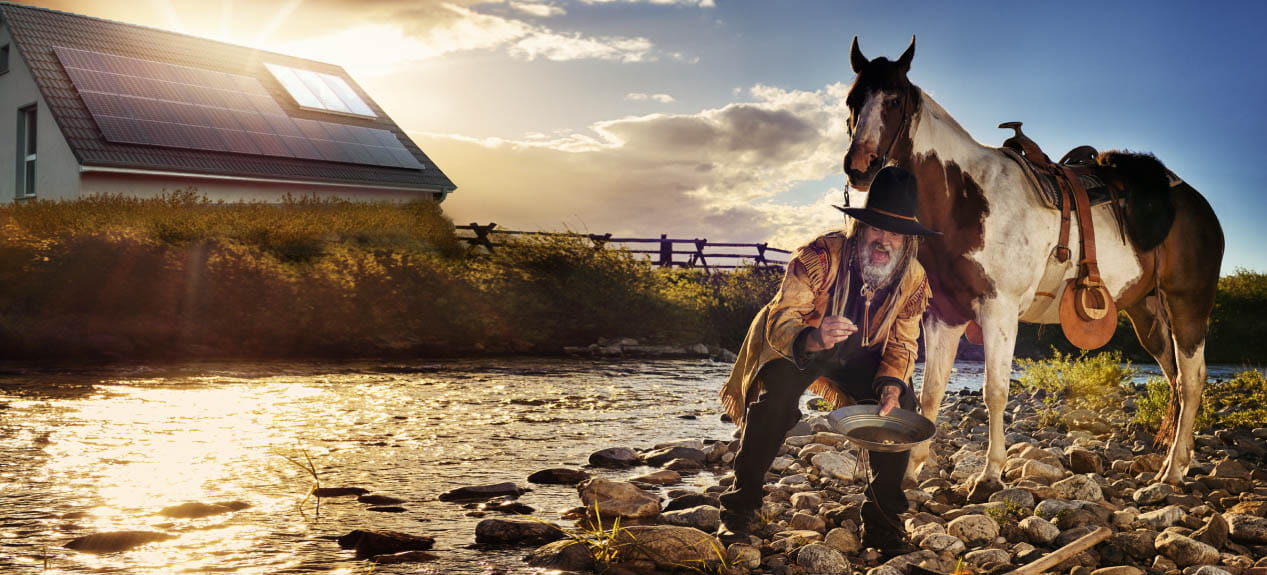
(982, 488)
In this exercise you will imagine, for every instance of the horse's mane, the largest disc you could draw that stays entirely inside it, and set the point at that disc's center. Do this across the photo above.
(1149, 209)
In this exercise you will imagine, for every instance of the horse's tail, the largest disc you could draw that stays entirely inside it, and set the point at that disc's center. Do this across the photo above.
(1150, 212)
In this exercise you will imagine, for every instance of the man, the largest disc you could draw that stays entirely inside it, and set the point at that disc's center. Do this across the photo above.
(844, 324)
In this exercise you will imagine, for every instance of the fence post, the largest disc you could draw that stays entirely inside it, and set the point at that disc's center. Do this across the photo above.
(699, 252)
(761, 254)
(481, 235)
(666, 252)
(600, 241)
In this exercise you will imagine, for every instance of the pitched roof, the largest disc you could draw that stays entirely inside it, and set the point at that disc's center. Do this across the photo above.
(37, 31)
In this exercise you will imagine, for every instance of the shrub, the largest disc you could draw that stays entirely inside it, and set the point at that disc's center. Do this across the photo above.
(1240, 402)
(1092, 382)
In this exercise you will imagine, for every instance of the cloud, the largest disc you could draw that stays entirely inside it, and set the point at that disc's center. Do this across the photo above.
(540, 10)
(564, 47)
(699, 3)
(641, 97)
(713, 174)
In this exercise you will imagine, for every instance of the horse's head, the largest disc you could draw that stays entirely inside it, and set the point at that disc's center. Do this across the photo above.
(881, 102)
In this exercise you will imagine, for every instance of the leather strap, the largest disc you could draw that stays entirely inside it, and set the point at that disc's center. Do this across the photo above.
(1062, 243)
(1090, 275)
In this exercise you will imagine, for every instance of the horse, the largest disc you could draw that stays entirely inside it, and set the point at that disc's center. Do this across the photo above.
(1161, 267)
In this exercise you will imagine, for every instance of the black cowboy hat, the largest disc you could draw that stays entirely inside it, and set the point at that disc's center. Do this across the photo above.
(891, 204)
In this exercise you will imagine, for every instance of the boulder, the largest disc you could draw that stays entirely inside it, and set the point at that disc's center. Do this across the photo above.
(943, 543)
(843, 540)
(196, 509)
(115, 541)
(1084, 461)
(1079, 487)
(1049, 509)
(660, 457)
(618, 498)
(843, 466)
(661, 477)
(1152, 494)
(379, 500)
(974, 530)
(807, 500)
(988, 556)
(1185, 551)
(743, 556)
(558, 476)
(1019, 497)
(668, 546)
(706, 518)
(516, 532)
(968, 466)
(802, 521)
(1037, 470)
(1246, 528)
(1119, 570)
(1230, 468)
(614, 458)
(563, 555)
(338, 491)
(371, 543)
(692, 500)
(1161, 518)
(1136, 544)
(1214, 533)
(1039, 531)
(822, 560)
(404, 557)
(482, 492)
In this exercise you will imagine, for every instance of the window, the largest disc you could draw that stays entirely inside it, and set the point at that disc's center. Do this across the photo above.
(317, 91)
(4, 58)
(26, 152)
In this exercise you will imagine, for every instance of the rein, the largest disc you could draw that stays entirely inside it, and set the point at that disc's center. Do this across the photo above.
(884, 158)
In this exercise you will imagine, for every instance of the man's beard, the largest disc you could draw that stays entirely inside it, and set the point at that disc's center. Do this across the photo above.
(876, 275)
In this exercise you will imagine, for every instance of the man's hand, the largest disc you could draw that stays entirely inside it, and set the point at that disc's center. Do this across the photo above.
(889, 396)
(832, 331)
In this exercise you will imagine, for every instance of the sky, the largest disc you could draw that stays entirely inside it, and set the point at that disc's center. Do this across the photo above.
(725, 119)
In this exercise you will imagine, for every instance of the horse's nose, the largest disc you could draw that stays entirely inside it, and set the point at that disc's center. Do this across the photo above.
(858, 163)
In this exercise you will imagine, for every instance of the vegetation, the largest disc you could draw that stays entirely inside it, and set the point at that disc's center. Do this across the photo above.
(1240, 402)
(1087, 382)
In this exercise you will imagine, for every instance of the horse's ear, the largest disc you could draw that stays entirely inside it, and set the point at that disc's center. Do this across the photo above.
(904, 63)
(856, 59)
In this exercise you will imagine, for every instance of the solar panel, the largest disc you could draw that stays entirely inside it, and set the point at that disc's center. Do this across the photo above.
(156, 104)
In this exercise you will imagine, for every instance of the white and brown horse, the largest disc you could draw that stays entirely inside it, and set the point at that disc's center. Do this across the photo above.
(998, 243)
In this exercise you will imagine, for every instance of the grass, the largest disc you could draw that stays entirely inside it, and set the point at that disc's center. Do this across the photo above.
(1081, 381)
(311, 469)
(1240, 402)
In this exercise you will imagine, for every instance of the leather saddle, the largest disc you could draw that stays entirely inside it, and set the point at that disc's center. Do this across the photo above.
(1088, 315)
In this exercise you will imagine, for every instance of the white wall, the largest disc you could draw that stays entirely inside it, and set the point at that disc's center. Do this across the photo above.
(137, 185)
(56, 170)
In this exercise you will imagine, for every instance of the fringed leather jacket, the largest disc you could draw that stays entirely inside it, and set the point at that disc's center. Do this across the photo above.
(803, 300)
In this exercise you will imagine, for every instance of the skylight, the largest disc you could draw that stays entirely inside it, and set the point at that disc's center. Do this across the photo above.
(318, 91)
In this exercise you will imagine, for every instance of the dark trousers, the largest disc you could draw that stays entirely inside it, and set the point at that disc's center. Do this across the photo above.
(774, 413)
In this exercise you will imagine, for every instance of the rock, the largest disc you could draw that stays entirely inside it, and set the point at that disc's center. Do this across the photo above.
(706, 518)
(988, 556)
(807, 500)
(618, 498)
(745, 556)
(614, 458)
(516, 532)
(563, 555)
(885, 570)
(692, 500)
(194, 509)
(1084, 461)
(942, 543)
(1256, 508)
(115, 541)
(843, 540)
(378, 500)
(1019, 497)
(781, 464)
(482, 492)
(1214, 533)
(371, 543)
(498, 505)
(684, 465)
(1230, 468)
(1185, 551)
(968, 466)
(1037, 470)
(338, 491)
(841, 466)
(1147, 463)
(1118, 570)
(1123, 518)
(1246, 528)
(1155, 493)
(1079, 487)
(404, 557)
(974, 530)
(1039, 531)
(1136, 544)
(558, 476)
(1210, 570)
(802, 521)
(668, 546)
(662, 477)
(1051, 508)
(661, 456)
(390, 509)
(1161, 518)
(822, 560)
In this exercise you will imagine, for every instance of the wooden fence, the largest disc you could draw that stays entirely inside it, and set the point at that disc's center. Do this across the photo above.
(665, 252)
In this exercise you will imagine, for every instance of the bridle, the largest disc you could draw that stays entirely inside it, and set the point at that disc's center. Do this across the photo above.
(884, 158)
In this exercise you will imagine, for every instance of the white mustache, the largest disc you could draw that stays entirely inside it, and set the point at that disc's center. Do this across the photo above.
(879, 247)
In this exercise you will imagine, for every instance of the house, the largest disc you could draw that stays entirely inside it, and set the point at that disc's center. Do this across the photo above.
(92, 106)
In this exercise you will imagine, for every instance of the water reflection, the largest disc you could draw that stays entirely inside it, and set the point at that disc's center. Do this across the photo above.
(86, 451)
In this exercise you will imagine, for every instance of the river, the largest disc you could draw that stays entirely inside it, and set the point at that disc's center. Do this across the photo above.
(95, 449)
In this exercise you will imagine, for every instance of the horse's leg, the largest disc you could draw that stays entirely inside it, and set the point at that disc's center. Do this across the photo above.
(998, 319)
(1153, 332)
(941, 341)
(1189, 316)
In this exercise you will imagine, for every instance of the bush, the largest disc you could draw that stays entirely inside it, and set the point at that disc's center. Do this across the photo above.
(1091, 382)
(1240, 402)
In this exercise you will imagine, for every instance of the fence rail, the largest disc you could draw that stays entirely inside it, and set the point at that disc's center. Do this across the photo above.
(666, 252)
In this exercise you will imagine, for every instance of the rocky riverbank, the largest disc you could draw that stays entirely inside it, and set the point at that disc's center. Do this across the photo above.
(1061, 482)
